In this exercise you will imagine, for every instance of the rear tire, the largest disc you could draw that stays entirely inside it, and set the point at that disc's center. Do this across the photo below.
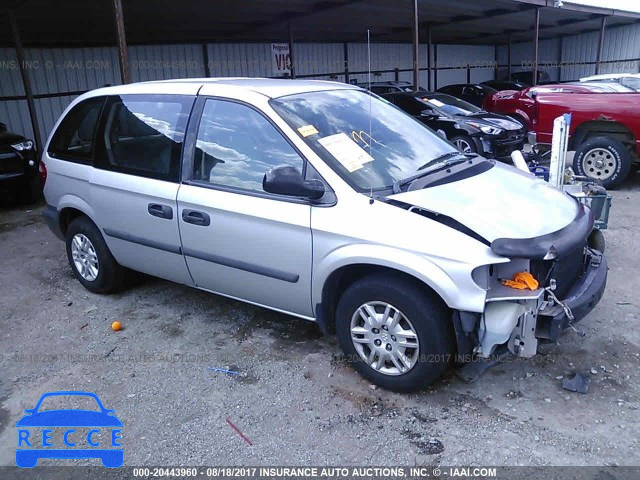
(421, 339)
(90, 258)
(604, 159)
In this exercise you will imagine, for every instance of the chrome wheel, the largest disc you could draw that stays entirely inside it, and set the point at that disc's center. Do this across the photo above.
(384, 338)
(84, 257)
(600, 163)
(463, 145)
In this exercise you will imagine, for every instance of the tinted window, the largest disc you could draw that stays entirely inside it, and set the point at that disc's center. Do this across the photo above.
(144, 134)
(75, 136)
(236, 146)
(410, 104)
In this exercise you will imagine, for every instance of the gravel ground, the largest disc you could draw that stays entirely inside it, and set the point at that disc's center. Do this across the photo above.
(296, 400)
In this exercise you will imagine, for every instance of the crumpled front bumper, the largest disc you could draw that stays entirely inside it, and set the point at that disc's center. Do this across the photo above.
(581, 298)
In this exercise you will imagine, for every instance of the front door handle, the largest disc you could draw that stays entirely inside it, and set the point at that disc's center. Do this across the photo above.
(160, 211)
(196, 218)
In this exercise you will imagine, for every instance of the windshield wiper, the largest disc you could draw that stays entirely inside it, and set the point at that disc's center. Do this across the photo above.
(398, 184)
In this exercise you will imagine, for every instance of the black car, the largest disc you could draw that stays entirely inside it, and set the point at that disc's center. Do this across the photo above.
(19, 166)
(472, 93)
(468, 127)
(527, 77)
(381, 88)
(501, 85)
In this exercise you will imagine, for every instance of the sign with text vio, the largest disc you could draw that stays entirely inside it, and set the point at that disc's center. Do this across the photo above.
(91, 431)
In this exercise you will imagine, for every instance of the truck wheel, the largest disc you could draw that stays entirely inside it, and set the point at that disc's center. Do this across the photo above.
(464, 143)
(604, 159)
(394, 333)
(90, 258)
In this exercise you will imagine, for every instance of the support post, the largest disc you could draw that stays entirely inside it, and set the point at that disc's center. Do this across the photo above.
(346, 62)
(205, 57)
(123, 55)
(429, 57)
(509, 56)
(435, 67)
(603, 27)
(293, 71)
(26, 82)
(416, 43)
(536, 47)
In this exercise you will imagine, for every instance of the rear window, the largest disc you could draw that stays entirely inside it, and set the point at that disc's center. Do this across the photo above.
(74, 139)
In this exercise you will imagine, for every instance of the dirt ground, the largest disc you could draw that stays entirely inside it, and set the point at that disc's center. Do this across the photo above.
(295, 399)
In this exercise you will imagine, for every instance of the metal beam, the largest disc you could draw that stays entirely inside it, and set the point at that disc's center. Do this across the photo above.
(123, 54)
(293, 71)
(416, 46)
(26, 82)
(435, 70)
(536, 46)
(509, 56)
(603, 27)
(345, 47)
(429, 57)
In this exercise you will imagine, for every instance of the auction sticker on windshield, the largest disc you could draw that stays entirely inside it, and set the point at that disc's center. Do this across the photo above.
(307, 130)
(350, 155)
(435, 102)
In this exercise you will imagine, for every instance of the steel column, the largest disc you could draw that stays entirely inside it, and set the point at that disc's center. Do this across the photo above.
(416, 58)
(345, 46)
(603, 27)
(293, 72)
(429, 57)
(26, 82)
(123, 55)
(509, 56)
(536, 47)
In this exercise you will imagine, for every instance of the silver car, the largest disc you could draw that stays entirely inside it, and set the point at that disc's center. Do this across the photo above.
(322, 201)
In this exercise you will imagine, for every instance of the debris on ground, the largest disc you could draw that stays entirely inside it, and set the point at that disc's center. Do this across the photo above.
(116, 326)
(224, 370)
(577, 383)
(244, 437)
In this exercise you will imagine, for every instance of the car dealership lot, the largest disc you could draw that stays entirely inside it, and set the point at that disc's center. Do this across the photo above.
(296, 399)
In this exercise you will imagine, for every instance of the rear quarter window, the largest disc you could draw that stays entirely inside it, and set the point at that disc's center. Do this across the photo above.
(74, 138)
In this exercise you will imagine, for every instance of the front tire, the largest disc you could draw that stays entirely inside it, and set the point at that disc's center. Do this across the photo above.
(605, 159)
(90, 258)
(464, 143)
(394, 332)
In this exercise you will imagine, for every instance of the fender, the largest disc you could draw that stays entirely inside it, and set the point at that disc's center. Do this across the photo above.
(459, 293)
(73, 201)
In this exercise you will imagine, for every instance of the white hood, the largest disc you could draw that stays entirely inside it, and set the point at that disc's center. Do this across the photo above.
(499, 203)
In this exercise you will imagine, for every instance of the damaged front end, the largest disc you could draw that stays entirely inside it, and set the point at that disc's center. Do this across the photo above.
(571, 276)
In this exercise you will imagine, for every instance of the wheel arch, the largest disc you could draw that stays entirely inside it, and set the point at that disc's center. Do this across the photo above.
(602, 128)
(72, 207)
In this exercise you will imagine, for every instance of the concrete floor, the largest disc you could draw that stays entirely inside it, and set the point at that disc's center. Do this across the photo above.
(296, 399)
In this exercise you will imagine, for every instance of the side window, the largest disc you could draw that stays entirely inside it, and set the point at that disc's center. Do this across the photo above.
(75, 135)
(411, 105)
(236, 146)
(143, 135)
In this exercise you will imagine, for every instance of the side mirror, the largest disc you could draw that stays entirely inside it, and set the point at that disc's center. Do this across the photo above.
(287, 180)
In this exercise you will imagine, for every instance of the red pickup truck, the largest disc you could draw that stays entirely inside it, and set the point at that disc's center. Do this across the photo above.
(605, 127)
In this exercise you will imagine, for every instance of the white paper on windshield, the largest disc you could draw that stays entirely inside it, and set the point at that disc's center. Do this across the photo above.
(350, 155)
(435, 102)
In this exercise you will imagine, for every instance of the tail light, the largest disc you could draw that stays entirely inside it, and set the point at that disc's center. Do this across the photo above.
(42, 170)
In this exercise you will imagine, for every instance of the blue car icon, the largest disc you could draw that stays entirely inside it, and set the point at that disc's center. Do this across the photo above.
(112, 457)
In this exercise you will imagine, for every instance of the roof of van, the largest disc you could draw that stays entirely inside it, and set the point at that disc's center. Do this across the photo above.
(271, 88)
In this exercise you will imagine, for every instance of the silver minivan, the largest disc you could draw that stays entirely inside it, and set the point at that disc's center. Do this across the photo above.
(322, 201)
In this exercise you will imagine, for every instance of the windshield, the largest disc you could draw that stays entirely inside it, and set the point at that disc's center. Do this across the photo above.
(449, 104)
(366, 140)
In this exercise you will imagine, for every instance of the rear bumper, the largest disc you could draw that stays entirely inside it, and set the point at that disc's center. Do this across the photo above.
(51, 217)
(582, 297)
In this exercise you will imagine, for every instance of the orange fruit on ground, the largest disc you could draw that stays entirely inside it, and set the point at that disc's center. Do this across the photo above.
(116, 326)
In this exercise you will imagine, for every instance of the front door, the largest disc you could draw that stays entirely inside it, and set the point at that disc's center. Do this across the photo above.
(239, 240)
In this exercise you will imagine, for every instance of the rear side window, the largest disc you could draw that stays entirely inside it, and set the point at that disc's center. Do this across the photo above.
(75, 136)
(143, 135)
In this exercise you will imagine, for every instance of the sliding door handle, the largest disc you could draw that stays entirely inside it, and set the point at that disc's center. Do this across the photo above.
(195, 217)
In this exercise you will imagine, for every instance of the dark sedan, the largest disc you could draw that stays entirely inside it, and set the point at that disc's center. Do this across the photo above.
(501, 85)
(468, 92)
(468, 127)
(19, 165)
